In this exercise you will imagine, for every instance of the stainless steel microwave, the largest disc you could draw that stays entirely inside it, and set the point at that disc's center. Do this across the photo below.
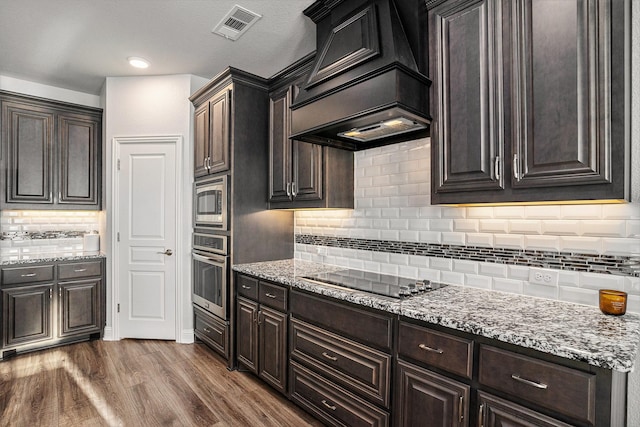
(210, 203)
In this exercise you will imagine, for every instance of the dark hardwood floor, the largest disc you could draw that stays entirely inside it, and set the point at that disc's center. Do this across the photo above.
(137, 383)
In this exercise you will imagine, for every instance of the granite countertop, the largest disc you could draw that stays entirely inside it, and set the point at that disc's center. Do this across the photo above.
(49, 257)
(573, 331)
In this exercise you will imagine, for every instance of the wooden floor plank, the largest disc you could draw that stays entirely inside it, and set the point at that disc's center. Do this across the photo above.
(137, 383)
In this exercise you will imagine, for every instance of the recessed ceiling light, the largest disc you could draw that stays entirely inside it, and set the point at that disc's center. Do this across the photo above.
(136, 61)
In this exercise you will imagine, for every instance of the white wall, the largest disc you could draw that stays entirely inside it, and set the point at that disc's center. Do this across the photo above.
(36, 89)
(153, 106)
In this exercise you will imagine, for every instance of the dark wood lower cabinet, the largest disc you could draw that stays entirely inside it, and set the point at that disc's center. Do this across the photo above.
(79, 307)
(496, 412)
(40, 311)
(27, 315)
(261, 341)
(426, 398)
(332, 404)
(211, 330)
(272, 348)
(247, 333)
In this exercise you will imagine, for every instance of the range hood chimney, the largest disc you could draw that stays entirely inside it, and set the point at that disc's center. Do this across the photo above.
(365, 88)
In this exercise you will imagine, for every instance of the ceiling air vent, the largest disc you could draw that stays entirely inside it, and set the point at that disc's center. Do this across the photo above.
(236, 23)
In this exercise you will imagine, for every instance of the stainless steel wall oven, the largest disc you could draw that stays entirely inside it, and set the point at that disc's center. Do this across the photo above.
(211, 273)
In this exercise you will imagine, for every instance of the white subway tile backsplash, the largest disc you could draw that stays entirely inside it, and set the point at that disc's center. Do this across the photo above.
(540, 291)
(407, 271)
(452, 277)
(475, 281)
(508, 285)
(389, 269)
(511, 241)
(466, 225)
(453, 238)
(632, 285)
(581, 212)
(494, 270)
(496, 226)
(622, 246)
(543, 212)
(518, 272)
(633, 303)
(588, 245)
(525, 227)
(578, 295)
(479, 239)
(601, 281)
(561, 228)
(442, 264)
(542, 243)
(463, 266)
(610, 228)
(393, 203)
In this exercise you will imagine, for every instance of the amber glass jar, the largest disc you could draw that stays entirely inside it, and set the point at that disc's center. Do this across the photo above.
(613, 302)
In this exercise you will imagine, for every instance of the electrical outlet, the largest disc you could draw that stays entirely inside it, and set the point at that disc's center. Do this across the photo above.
(543, 276)
(321, 250)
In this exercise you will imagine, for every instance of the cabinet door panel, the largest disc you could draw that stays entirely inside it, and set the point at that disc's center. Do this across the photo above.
(219, 132)
(307, 171)
(495, 412)
(279, 146)
(423, 395)
(79, 307)
(201, 140)
(27, 314)
(29, 137)
(273, 348)
(469, 132)
(247, 333)
(79, 173)
(562, 102)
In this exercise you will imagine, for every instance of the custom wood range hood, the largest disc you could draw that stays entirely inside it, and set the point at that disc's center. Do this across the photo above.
(366, 87)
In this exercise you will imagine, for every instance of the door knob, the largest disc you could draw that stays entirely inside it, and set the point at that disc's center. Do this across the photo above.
(168, 252)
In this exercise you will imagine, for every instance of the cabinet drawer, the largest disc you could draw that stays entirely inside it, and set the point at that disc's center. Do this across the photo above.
(561, 389)
(18, 275)
(247, 286)
(361, 369)
(444, 351)
(362, 325)
(273, 295)
(213, 331)
(79, 269)
(332, 404)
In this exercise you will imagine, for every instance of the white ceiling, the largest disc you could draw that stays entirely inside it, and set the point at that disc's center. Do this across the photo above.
(75, 44)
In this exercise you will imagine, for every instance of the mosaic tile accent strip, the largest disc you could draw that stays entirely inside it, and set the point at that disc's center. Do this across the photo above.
(40, 235)
(604, 264)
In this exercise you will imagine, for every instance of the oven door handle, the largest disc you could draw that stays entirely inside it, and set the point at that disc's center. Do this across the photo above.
(210, 258)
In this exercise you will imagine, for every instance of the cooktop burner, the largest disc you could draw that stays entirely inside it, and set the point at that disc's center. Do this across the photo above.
(380, 284)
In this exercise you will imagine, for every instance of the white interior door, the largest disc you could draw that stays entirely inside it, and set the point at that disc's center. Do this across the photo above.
(147, 229)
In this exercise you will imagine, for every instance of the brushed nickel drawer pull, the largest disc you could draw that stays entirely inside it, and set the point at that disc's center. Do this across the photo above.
(461, 409)
(270, 296)
(80, 270)
(328, 356)
(207, 330)
(529, 382)
(332, 407)
(427, 348)
(246, 287)
(29, 275)
(481, 416)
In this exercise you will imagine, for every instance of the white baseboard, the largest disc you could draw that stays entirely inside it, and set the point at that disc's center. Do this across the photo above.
(108, 334)
(186, 337)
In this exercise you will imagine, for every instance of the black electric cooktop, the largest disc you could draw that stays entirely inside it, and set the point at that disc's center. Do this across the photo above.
(376, 283)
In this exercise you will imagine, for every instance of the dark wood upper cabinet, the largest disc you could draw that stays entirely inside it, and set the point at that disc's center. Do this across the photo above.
(211, 135)
(529, 100)
(301, 174)
(79, 168)
(468, 135)
(51, 154)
